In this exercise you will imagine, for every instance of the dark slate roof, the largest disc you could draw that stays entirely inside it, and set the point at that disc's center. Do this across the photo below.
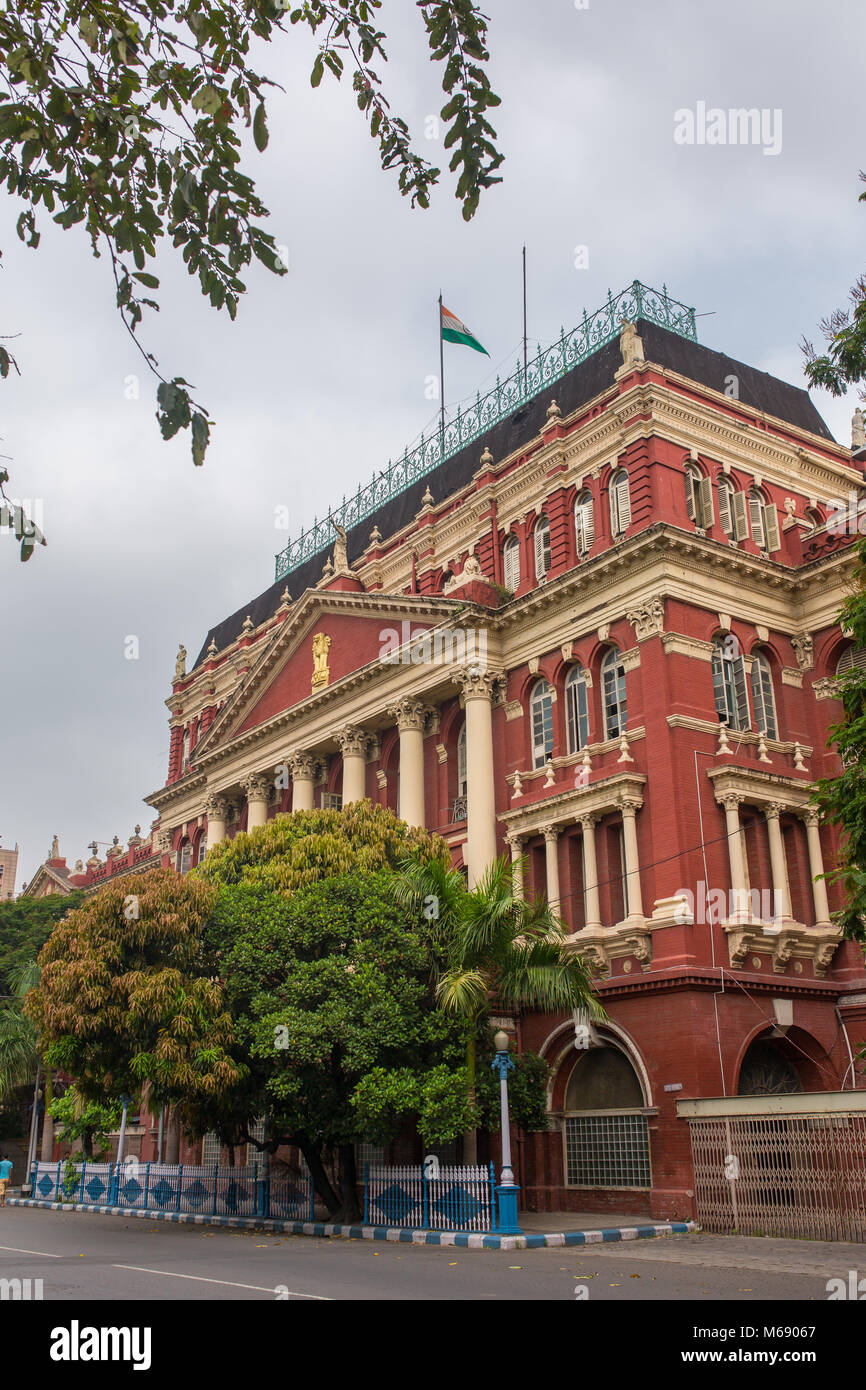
(591, 377)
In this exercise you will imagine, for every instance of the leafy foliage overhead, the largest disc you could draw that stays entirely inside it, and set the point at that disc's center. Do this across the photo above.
(126, 118)
(25, 926)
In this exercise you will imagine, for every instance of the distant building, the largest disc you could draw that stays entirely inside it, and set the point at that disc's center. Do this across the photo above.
(8, 870)
(55, 876)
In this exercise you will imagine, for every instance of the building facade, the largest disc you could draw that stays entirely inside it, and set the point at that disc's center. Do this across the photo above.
(8, 870)
(600, 636)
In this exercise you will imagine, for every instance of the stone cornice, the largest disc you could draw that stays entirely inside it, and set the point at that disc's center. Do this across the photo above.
(564, 808)
(762, 789)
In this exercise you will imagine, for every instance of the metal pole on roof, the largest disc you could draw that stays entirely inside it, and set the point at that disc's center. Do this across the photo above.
(441, 384)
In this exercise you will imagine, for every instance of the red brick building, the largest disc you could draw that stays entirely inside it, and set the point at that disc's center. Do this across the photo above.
(594, 626)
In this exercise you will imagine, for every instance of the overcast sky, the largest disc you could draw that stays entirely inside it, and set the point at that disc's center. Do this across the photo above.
(322, 377)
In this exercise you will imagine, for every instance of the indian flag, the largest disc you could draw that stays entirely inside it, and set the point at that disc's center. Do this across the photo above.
(453, 331)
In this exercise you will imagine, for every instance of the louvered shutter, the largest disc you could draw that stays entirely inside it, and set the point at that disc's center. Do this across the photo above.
(852, 659)
(756, 520)
(512, 564)
(584, 526)
(719, 686)
(741, 520)
(690, 495)
(726, 520)
(705, 493)
(741, 693)
(542, 549)
(771, 527)
(620, 505)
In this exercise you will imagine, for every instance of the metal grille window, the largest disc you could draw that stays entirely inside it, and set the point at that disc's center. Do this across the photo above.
(607, 1150)
(256, 1131)
(613, 694)
(762, 696)
(852, 659)
(541, 713)
(511, 560)
(211, 1148)
(577, 709)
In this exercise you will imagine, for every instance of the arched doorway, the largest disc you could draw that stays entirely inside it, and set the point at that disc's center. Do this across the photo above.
(606, 1135)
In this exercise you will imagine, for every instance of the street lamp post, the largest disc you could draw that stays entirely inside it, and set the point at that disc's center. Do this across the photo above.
(508, 1189)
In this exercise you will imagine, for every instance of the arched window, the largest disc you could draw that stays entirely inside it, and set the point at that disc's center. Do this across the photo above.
(184, 857)
(202, 847)
(620, 503)
(726, 507)
(729, 683)
(511, 562)
(763, 698)
(446, 578)
(185, 751)
(609, 1148)
(584, 523)
(613, 694)
(542, 547)
(814, 518)
(699, 497)
(852, 659)
(576, 709)
(541, 715)
(461, 760)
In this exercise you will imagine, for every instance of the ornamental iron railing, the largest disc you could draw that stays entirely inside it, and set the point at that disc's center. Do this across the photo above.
(206, 1189)
(443, 1199)
(637, 301)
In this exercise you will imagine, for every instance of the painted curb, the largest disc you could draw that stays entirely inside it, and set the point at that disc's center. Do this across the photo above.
(465, 1240)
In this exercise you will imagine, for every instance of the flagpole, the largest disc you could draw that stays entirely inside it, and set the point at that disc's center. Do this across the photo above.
(441, 384)
(524, 318)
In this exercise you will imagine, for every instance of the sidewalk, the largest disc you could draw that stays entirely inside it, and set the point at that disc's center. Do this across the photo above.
(568, 1228)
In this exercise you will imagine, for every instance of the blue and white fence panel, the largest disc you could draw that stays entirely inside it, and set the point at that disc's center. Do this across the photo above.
(458, 1198)
(182, 1187)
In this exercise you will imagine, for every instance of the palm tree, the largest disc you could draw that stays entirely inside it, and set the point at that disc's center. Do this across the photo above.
(493, 946)
(20, 1057)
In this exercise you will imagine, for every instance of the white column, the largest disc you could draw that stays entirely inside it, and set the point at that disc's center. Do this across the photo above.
(590, 872)
(480, 851)
(256, 789)
(217, 811)
(515, 844)
(740, 905)
(551, 865)
(816, 868)
(353, 742)
(778, 865)
(303, 770)
(629, 808)
(410, 715)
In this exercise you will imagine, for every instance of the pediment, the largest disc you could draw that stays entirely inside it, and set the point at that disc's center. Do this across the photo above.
(362, 627)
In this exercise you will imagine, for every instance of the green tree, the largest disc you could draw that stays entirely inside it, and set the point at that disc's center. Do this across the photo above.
(125, 996)
(25, 926)
(843, 362)
(329, 985)
(126, 118)
(498, 949)
(19, 1041)
(91, 1121)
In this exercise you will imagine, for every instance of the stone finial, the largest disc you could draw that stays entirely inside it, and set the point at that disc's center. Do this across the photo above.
(426, 500)
(487, 457)
(798, 757)
(549, 778)
(328, 568)
(180, 663)
(762, 749)
(724, 746)
(285, 598)
(624, 755)
(518, 786)
(376, 534)
(858, 430)
(553, 413)
(247, 629)
(211, 648)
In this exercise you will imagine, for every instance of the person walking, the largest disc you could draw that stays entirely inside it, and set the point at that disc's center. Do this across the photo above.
(5, 1175)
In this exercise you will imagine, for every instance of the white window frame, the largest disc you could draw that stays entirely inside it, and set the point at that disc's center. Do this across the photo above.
(576, 709)
(461, 760)
(541, 722)
(184, 853)
(730, 687)
(613, 694)
(763, 696)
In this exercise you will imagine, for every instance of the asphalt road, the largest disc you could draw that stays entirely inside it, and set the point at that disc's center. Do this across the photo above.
(116, 1258)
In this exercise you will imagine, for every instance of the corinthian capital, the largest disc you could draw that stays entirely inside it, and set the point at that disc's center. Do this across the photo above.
(257, 787)
(352, 740)
(409, 713)
(216, 807)
(475, 683)
(303, 766)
